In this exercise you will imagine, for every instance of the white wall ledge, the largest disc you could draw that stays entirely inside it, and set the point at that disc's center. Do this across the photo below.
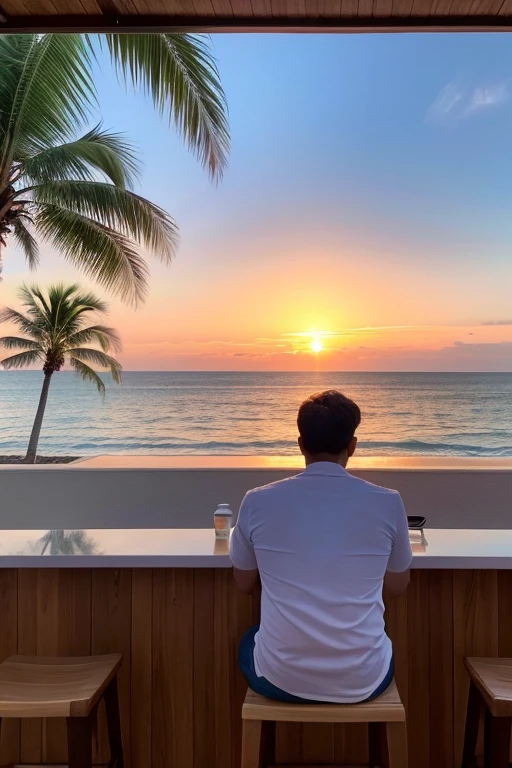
(183, 491)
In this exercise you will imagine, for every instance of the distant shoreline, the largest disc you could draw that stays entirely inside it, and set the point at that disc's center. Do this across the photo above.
(39, 460)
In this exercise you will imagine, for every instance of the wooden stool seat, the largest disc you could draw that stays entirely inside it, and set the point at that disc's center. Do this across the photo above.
(387, 708)
(490, 689)
(493, 678)
(33, 686)
(385, 716)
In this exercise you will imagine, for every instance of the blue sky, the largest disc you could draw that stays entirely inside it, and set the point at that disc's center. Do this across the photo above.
(370, 185)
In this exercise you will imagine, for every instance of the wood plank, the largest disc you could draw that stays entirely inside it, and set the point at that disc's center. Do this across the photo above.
(351, 744)
(418, 624)
(16, 7)
(141, 667)
(441, 669)
(329, 9)
(288, 8)
(475, 633)
(55, 637)
(504, 613)
(364, 8)
(224, 671)
(111, 633)
(312, 9)
(222, 8)
(42, 7)
(204, 665)
(31, 730)
(421, 7)
(318, 743)
(289, 743)
(401, 8)
(460, 7)
(10, 744)
(486, 7)
(162, 719)
(91, 7)
(180, 590)
(261, 7)
(382, 8)
(173, 677)
(349, 8)
(397, 612)
(203, 8)
(65, 6)
(243, 618)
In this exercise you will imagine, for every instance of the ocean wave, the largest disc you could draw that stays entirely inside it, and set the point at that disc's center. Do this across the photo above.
(423, 448)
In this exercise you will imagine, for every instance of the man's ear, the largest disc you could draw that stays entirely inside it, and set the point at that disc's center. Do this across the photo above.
(352, 447)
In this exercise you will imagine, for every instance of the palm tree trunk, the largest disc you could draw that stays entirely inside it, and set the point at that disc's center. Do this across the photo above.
(30, 458)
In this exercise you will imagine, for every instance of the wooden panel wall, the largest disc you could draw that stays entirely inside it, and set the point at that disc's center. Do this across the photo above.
(180, 688)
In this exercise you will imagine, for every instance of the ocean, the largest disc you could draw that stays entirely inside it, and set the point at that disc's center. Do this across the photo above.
(407, 414)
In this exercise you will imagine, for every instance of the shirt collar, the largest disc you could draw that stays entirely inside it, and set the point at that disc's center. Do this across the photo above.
(325, 468)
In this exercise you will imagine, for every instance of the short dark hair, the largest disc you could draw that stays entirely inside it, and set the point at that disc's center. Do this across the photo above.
(327, 422)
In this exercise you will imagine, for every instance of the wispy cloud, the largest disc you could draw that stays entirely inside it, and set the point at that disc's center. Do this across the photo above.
(498, 322)
(458, 101)
(447, 102)
(487, 96)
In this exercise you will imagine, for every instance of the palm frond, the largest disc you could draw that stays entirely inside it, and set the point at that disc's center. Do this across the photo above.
(53, 94)
(36, 304)
(21, 360)
(27, 243)
(118, 209)
(98, 150)
(13, 49)
(18, 342)
(25, 324)
(98, 358)
(87, 373)
(107, 338)
(101, 252)
(179, 72)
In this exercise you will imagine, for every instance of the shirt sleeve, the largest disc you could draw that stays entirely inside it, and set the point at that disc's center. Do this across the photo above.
(400, 558)
(241, 550)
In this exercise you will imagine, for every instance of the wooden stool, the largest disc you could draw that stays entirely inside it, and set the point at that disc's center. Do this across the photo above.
(385, 716)
(490, 687)
(33, 686)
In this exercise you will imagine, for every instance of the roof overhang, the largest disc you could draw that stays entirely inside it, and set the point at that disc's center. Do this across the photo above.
(255, 15)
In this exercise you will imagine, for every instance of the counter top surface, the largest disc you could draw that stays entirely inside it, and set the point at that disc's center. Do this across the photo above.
(198, 548)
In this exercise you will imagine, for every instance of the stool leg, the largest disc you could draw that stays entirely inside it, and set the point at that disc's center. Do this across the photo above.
(377, 744)
(497, 741)
(114, 725)
(258, 743)
(397, 745)
(472, 724)
(80, 741)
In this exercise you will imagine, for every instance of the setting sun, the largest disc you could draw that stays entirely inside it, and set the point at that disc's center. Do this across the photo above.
(316, 345)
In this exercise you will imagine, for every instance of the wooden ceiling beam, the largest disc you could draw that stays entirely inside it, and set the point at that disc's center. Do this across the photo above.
(150, 23)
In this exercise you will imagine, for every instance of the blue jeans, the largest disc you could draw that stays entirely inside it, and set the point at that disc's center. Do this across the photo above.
(265, 688)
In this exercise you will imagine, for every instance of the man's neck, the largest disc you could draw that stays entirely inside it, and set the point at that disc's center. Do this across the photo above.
(341, 460)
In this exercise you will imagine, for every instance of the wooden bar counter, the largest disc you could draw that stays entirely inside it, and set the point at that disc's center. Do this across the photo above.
(166, 601)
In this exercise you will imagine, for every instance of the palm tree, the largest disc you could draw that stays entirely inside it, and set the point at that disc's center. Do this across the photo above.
(75, 189)
(55, 332)
(75, 542)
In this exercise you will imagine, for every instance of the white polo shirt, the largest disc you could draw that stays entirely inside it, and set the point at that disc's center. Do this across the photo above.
(322, 542)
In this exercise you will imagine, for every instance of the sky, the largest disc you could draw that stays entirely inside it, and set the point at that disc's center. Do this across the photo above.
(366, 211)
